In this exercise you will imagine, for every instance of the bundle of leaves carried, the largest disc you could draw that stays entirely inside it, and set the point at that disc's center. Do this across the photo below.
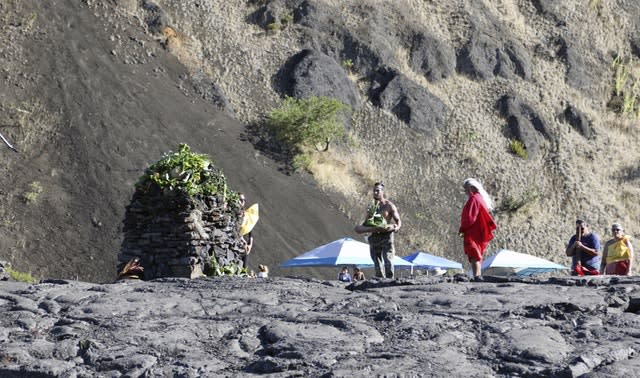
(374, 218)
(188, 172)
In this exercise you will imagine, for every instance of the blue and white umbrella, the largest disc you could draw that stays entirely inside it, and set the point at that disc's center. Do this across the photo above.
(520, 264)
(426, 261)
(345, 251)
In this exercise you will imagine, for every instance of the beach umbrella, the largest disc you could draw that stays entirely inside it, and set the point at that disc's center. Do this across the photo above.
(345, 251)
(427, 261)
(505, 261)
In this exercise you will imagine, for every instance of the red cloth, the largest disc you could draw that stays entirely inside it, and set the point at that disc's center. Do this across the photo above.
(477, 225)
(585, 271)
(620, 268)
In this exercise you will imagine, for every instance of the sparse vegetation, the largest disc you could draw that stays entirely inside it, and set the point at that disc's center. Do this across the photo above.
(31, 196)
(189, 172)
(512, 204)
(347, 64)
(626, 88)
(308, 122)
(274, 26)
(215, 270)
(301, 162)
(518, 148)
(286, 19)
(20, 276)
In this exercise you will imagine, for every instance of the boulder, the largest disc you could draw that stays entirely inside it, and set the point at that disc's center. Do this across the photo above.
(211, 92)
(313, 73)
(577, 120)
(485, 56)
(410, 102)
(524, 124)
(431, 57)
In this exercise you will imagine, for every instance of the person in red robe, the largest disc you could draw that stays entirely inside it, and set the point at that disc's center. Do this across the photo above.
(476, 224)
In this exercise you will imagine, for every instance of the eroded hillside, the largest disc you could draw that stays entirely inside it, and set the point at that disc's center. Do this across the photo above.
(540, 72)
(93, 92)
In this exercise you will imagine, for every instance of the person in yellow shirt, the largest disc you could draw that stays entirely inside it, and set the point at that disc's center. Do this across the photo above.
(617, 257)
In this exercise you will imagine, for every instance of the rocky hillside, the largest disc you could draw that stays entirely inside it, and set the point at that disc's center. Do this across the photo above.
(93, 92)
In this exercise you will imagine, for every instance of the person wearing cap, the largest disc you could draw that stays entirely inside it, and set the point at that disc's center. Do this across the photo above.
(378, 224)
(584, 249)
(617, 254)
(476, 224)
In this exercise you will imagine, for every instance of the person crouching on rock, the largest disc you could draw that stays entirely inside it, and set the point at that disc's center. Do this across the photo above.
(617, 254)
(476, 224)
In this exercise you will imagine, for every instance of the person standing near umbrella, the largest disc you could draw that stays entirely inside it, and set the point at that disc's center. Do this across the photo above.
(476, 224)
(378, 224)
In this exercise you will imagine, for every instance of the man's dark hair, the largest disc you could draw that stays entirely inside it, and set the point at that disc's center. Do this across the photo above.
(378, 184)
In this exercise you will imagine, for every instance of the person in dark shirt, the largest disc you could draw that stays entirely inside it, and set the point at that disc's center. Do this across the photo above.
(584, 249)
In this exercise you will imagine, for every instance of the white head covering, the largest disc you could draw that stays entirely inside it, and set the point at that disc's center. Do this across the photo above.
(483, 193)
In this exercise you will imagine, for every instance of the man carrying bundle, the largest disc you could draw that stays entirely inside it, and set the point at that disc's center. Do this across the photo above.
(378, 224)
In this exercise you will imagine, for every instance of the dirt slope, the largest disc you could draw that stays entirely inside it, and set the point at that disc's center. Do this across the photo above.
(105, 101)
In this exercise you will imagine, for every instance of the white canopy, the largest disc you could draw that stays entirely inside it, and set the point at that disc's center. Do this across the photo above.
(520, 264)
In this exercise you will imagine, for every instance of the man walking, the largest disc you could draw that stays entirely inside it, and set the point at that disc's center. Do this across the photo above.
(377, 223)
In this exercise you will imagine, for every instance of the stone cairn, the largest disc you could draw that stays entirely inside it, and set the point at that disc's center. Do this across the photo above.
(173, 234)
(177, 236)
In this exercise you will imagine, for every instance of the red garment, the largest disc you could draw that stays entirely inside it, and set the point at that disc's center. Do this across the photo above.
(477, 225)
(585, 271)
(620, 268)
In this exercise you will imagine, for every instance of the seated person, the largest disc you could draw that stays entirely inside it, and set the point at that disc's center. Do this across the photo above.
(617, 254)
(344, 275)
(263, 271)
(358, 275)
(584, 249)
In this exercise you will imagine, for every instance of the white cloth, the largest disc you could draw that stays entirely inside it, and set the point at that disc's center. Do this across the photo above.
(483, 193)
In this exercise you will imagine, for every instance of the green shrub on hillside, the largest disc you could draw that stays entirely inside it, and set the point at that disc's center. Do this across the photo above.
(626, 87)
(518, 148)
(188, 172)
(307, 122)
(35, 188)
(20, 276)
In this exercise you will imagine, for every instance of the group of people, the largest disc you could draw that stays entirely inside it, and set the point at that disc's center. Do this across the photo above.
(584, 249)
(344, 276)
(382, 220)
(476, 229)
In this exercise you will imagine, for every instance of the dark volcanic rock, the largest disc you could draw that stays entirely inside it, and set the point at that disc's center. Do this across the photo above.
(231, 326)
(315, 74)
(578, 121)
(410, 102)
(485, 56)
(524, 123)
(431, 57)
(211, 92)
